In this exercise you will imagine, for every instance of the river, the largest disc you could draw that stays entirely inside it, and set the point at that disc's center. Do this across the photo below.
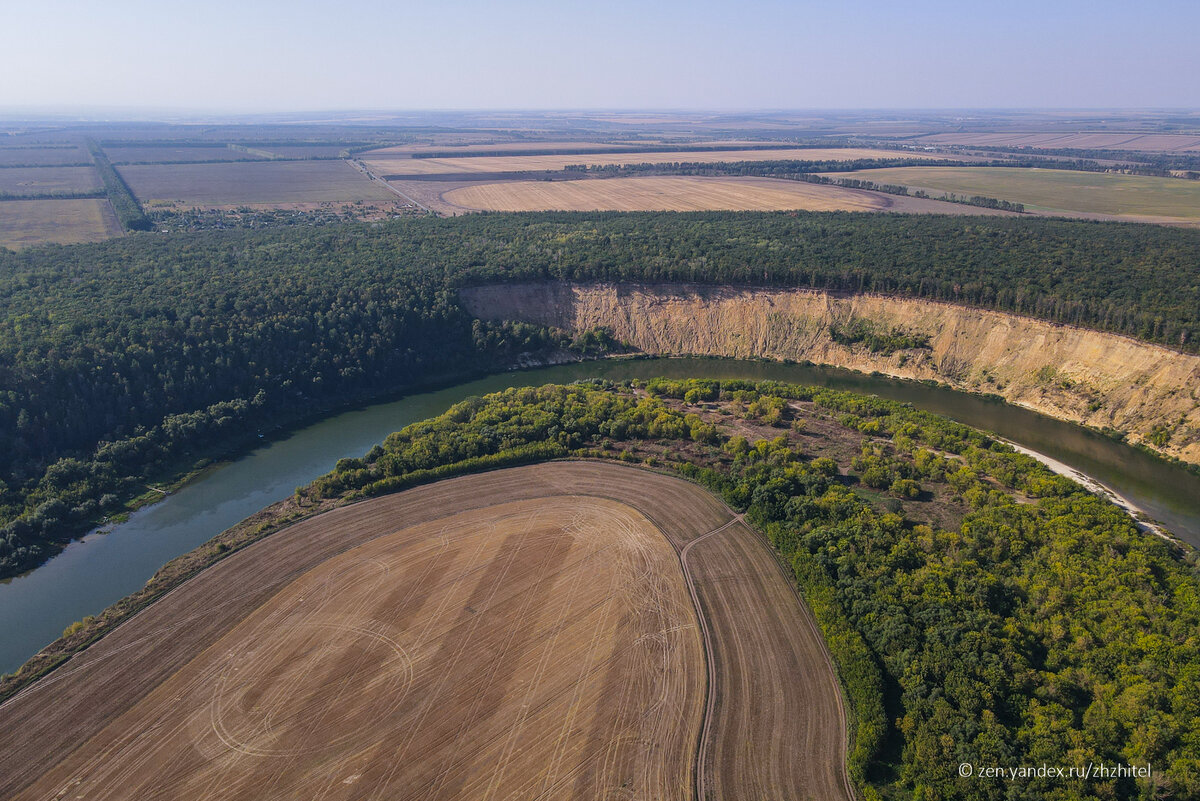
(92, 573)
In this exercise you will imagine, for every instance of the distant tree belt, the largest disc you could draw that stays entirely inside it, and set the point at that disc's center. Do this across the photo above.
(28, 166)
(774, 168)
(127, 360)
(1158, 163)
(129, 211)
(618, 149)
(64, 194)
(796, 168)
(900, 189)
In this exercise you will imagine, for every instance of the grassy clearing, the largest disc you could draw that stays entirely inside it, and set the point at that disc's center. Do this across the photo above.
(24, 223)
(262, 182)
(1133, 196)
(662, 194)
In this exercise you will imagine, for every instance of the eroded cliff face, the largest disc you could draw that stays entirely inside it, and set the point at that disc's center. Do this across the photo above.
(1103, 380)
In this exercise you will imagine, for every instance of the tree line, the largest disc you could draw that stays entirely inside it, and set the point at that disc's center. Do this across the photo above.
(129, 211)
(128, 360)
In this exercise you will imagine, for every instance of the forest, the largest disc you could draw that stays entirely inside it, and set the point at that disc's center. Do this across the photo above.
(1042, 627)
(130, 360)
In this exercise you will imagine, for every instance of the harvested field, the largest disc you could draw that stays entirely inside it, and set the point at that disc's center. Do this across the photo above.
(1085, 141)
(305, 151)
(525, 633)
(777, 722)
(490, 164)
(487, 147)
(24, 223)
(266, 183)
(36, 180)
(1134, 197)
(667, 193)
(162, 154)
(34, 156)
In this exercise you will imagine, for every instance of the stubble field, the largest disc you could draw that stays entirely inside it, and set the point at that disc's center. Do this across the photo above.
(37, 180)
(662, 193)
(24, 223)
(527, 633)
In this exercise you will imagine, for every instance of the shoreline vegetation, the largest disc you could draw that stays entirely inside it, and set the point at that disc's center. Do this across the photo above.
(824, 475)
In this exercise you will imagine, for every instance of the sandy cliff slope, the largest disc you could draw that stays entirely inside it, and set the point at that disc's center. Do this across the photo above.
(1100, 379)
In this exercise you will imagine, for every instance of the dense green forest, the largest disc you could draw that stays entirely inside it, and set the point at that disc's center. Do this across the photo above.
(124, 360)
(1041, 627)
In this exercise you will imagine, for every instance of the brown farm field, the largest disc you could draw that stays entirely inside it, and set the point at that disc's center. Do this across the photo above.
(24, 223)
(1149, 142)
(526, 633)
(662, 193)
(34, 156)
(494, 164)
(36, 180)
(155, 154)
(262, 183)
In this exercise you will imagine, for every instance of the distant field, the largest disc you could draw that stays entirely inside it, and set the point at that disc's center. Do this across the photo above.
(1098, 141)
(138, 155)
(36, 180)
(43, 156)
(277, 183)
(487, 147)
(482, 164)
(665, 193)
(302, 151)
(24, 223)
(1132, 196)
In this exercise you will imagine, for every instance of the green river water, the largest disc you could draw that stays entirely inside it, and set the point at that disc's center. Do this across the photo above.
(101, 568)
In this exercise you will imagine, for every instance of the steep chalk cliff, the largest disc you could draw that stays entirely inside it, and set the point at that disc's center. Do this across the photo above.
(1103, 380)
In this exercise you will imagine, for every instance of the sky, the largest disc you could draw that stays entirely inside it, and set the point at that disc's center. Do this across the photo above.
(302, 55)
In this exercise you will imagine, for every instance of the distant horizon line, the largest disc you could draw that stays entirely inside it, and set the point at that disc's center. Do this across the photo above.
(127, 113)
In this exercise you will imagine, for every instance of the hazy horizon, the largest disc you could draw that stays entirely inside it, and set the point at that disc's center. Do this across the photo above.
(227, 58)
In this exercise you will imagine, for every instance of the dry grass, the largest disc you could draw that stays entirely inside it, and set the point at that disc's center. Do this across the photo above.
(265, 183)
(493, 164)
(24, 223)
(1134, 197)
(524, 633)
(35, 180)
(1099, 140)
(667, 193)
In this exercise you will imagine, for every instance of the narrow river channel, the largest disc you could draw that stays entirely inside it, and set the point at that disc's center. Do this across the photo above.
(91, 574)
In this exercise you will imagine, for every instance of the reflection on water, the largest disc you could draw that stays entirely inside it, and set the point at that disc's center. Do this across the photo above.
(102, 568)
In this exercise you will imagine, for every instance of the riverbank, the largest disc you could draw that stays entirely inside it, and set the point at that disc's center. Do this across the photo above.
(1140, 516)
